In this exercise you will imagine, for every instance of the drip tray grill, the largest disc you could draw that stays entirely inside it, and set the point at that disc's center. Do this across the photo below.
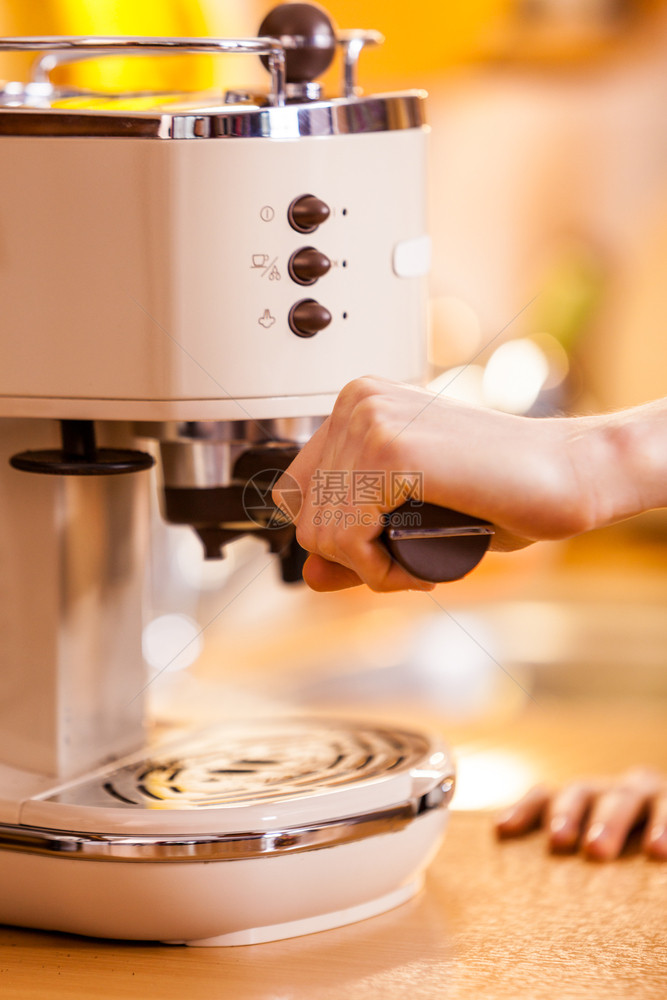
(254, 763)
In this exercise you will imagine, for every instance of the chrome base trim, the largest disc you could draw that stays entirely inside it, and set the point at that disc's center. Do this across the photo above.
(225, 847)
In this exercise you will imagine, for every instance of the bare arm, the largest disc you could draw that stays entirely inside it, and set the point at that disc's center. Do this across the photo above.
(533, 478)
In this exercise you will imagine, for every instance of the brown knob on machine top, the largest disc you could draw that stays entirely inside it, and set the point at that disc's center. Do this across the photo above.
(310, 36)
(306, 213)
(308, 317)
(307, 265)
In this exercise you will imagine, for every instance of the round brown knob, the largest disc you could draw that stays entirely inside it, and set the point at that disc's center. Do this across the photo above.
(307, 212)
(308, 37)
(308, 317)
(307, 265)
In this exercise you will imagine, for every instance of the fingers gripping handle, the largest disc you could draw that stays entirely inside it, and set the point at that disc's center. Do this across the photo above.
(435, 543)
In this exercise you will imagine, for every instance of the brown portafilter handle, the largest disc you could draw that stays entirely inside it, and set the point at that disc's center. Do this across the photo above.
(435, 543)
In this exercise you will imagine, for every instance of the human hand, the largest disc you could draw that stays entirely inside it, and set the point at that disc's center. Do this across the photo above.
(596, 815)
(528, 477)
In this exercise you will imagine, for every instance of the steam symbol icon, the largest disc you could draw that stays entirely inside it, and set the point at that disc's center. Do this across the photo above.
(266, 319)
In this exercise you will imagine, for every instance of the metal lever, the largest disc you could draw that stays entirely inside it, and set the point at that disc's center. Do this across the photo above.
(60, 49)
(352, 43)
(434, 543)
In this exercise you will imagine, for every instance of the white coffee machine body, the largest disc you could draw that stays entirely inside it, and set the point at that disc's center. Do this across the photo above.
(207, 273)
(148, 277)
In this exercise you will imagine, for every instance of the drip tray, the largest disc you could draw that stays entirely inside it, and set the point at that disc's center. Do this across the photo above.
(242, 833)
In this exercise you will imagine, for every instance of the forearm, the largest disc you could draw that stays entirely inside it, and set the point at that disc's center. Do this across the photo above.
(532, 479)
(625, 454)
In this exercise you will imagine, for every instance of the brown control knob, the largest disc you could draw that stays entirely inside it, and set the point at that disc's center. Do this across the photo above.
(307, 265)
(307, 212)
(308, 36)
(308, 317)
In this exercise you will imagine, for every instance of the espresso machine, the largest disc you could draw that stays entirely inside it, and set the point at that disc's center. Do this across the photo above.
(191, 278)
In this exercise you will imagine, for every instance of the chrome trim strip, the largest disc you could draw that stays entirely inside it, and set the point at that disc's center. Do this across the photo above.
(421, 534)
(223, 847)
(202, 454)
(384, 113)
(286, 430)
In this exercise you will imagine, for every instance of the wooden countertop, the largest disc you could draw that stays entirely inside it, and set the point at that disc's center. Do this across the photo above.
(495, 920)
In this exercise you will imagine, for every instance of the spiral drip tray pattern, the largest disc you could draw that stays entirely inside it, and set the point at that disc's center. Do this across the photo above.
(248, 764)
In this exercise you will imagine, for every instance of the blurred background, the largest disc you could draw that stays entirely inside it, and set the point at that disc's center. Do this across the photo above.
(548, 213)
